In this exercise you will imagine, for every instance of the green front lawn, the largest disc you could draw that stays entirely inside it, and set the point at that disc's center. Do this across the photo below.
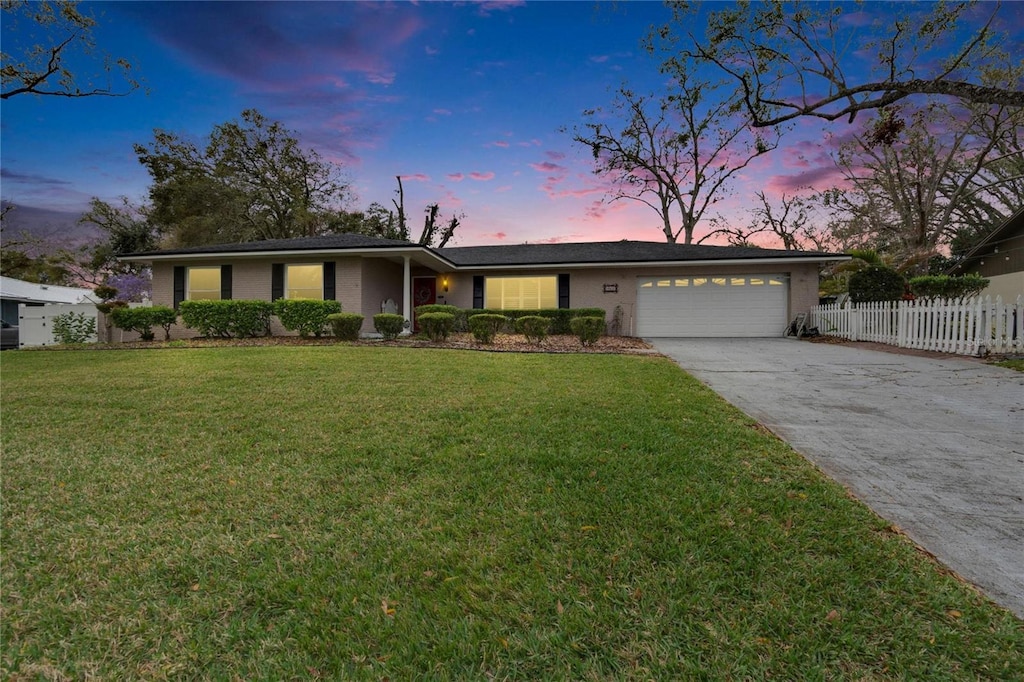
(353, 512)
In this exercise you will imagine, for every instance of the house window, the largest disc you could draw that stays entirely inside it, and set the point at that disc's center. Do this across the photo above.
(304, 281)
(203, 284)
(521, 293)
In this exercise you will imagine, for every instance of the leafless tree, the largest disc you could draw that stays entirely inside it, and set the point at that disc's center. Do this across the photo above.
(676, 154)
(796, 59)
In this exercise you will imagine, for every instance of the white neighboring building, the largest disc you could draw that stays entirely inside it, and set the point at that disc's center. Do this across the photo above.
(18, 296)
(15, 291)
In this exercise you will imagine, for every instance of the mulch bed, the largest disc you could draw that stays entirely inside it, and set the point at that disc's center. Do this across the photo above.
(515, 343)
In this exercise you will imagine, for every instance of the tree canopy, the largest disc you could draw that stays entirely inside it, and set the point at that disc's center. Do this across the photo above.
(63, 33)
(794, 59)
(250, 181)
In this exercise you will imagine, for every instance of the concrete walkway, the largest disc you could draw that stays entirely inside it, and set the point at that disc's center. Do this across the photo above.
(934, 445)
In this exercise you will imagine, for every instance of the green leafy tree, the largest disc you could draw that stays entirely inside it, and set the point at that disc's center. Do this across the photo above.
(40, 42)
(250, 181)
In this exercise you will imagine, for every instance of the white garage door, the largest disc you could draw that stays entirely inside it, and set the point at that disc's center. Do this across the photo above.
(712, 306)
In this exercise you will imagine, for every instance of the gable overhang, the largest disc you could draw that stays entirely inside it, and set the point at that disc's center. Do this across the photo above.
(657, 263)
(417, 255)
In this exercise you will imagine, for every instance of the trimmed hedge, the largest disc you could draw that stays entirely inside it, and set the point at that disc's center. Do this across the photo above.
(944, 286)
(388, 325)
(485, 326)
(305, 315)
(226, 319)
(588, 329)
(559, 317)
(533, 327)
(876, 283)
(143, 319)
(459, 314)
(346, 326)
(437, 326)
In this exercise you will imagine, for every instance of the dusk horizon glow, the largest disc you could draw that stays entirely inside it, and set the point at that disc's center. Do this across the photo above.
(472, 104)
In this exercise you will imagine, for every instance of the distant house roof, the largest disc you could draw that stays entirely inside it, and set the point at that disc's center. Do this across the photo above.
(1012, 227)
(505, 255)
(29, 292)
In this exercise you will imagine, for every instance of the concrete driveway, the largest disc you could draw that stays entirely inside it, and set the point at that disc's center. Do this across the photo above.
(934, 445)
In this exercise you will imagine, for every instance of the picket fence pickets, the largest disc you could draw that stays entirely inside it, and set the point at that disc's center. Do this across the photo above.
(973, 326)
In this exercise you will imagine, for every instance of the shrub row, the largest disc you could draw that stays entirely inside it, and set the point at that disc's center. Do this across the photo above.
(226, 319)
(305, 315)
(143, 319)
(559, 317)
(944, 286)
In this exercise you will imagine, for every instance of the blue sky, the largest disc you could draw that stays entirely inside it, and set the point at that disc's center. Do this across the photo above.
(467, 101)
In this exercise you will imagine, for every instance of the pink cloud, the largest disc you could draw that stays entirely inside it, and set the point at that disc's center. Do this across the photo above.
(600, 59)
(417, 177)
(532, 143)
(483, 177)
(455, 177)
(555, 156)
(488, 6)
(443, 112)
(499, 143)
(547, 167)
(500, 236)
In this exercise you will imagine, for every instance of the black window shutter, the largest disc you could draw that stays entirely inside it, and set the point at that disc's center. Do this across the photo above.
(225, 282)
(329, 294)
(563, 291)
(276, 281)
(179, 285)
(478, 291)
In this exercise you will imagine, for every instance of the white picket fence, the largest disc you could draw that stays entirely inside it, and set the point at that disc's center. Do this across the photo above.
(974, 326)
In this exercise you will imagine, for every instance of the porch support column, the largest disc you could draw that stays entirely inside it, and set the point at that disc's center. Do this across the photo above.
(407, 296)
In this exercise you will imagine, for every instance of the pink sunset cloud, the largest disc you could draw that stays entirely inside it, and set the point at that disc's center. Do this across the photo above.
(483, 177)
(500, 143)
(443, 112)
(417, 177)
(455, 177)
(547, 167)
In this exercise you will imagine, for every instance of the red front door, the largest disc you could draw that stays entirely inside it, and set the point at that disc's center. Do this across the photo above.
(424, 292)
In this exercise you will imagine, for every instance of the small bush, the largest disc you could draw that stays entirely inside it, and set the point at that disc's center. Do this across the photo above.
(105, 292)
(108, 307)
(346, 326)
(388, 325)
(225, 319)
(306, 316)
(876, 283)
(944, 286)
(485, 326)
(437, 326)
(164, 317)
(460, 322)
(74, 328)
(533, 327)
(588, 329)
(139, 320)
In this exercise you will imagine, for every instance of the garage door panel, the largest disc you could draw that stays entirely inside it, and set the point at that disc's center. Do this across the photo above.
(709, 306)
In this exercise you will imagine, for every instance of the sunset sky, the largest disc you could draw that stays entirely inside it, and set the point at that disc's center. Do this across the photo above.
(467, 101)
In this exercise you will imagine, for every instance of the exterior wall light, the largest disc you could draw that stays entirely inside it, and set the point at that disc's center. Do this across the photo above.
(444, 283)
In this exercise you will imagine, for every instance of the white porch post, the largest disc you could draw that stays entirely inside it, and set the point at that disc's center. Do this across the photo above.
(407, 297)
